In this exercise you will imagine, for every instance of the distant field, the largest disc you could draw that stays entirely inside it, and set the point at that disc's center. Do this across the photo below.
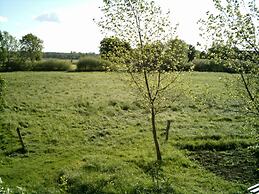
(87, 133)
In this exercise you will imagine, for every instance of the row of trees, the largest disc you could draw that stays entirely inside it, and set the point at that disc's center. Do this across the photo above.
(28, 48)
(120, 52)
(72, 55)
(113, 49)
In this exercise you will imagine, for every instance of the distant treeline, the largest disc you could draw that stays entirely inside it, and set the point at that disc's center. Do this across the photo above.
(71, 55)
(26, 55)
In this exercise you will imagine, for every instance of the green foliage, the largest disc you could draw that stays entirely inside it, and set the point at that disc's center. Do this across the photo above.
(210, 65)
(17, 66)
(235, 25)
(234, 33)
(192, 53)
(8, 48)
(52, 65)
(176, 55)
(14, 55)
(127, 28)
(61, 55)
(171, 55)
(232, 58)
(31, 48)
(159, 57)
(114, 49)
(44, 65)
(90, 63)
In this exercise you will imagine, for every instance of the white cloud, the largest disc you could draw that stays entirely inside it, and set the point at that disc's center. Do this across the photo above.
(3, 19)
(76, 30)
(48, 17)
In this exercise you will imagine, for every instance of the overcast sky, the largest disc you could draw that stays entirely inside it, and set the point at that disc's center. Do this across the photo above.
(67, 25)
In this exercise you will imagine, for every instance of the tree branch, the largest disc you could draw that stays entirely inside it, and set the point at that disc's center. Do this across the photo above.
(170, 83)
(249, 92)
(158, 85)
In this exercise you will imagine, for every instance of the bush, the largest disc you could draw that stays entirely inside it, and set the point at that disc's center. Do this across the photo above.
(52, 65)
(210, 66)
(16, 66)
(185, 66)
(90, 63)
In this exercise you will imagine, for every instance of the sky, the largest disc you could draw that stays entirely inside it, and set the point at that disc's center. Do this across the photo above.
(67, 25)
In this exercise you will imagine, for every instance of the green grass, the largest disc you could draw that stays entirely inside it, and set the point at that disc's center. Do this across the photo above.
(87, 133)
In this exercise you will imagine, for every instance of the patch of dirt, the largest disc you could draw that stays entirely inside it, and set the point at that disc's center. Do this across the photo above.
(233, 165)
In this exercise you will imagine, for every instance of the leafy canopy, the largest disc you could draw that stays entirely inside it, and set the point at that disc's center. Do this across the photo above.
(31, 47)
(149, 32)
(235, 25)
(8, 47)
(234, 32)
(114, 50)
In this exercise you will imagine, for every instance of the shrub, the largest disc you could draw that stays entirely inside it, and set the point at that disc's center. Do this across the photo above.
(210, 66)
(185, 66)
(16, 66)
(52, 65)
(90, 63)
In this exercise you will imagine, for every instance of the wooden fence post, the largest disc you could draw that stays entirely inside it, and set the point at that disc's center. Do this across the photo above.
(23, 149)
(167, 130)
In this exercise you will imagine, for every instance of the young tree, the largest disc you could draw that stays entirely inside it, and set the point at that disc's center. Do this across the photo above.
(31, 47)
(234, 31)
(8, 48)
(143, 24)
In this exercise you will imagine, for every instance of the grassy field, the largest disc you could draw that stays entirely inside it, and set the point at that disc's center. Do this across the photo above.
(87, 133)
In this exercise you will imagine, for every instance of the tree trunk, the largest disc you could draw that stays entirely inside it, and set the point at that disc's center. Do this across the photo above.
(153, 119)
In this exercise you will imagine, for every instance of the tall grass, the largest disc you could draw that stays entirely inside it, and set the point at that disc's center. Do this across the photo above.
(44, 65)
(52, 65)
(91, 63)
